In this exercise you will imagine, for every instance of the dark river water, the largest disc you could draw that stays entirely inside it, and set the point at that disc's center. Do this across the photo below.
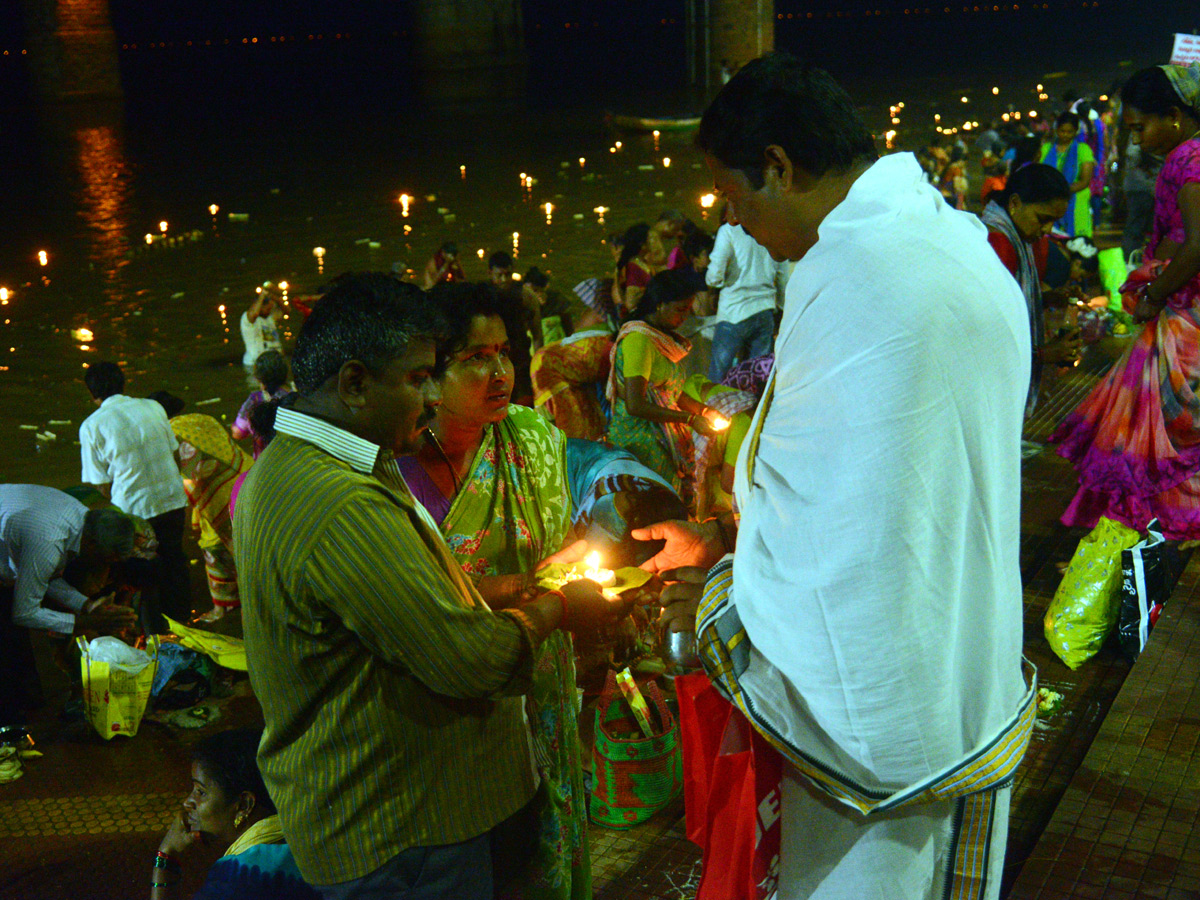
(311, 148)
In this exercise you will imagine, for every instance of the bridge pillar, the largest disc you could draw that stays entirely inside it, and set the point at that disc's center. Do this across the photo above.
(470, 49)
(72, 49)
(737, 31)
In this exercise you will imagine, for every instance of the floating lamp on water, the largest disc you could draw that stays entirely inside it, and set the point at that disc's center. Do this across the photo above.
(462, 171)
(516, 243)
(4, 295)
(84, 335)
(600, 211)
(666, 162)
(964, 99)
(995, 90)
(480, 253)
(593, 572)
(618, 145)
(549, 208)
(319, 253)
(213, 209)
(162, 226)
(582, 162)
(405, 200)
(707, 200)
(43, 258)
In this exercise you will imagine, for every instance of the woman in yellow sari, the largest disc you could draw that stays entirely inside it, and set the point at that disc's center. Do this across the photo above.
(494, 477)
(210, 463)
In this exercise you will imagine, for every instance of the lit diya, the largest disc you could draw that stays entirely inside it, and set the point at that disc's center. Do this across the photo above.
(593, 572)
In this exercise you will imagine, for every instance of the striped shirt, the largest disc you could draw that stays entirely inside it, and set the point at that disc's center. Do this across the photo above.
(40, 530)
(391, 692)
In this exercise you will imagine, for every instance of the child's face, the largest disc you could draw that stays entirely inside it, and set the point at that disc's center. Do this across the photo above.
(1077, 271)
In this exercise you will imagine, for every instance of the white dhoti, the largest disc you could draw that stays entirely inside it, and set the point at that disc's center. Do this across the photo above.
(869, 624)
(829, 852)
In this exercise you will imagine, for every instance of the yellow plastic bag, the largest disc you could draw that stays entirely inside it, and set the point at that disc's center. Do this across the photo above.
(1086, 605)
(226, 651)
(115, 694)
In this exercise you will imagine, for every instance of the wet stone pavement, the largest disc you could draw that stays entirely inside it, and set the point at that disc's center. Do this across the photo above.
(1104, 805)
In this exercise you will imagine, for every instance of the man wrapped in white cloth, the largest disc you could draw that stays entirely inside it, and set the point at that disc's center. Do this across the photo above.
(869, 623)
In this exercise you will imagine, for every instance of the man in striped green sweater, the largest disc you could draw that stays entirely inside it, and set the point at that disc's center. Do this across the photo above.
(395, 746)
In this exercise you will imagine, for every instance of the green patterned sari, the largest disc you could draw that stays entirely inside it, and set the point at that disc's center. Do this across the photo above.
(513, 510)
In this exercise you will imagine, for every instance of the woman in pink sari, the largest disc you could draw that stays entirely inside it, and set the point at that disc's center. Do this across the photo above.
(1135, 440)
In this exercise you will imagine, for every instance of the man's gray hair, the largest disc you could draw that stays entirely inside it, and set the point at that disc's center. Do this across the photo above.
(111, 531)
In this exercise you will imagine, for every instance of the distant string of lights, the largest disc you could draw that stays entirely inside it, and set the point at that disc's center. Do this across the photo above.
(934, 11)
(783, 17)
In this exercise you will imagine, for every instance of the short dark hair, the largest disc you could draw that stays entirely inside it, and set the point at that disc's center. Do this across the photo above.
(696, 243)
(271, 369)
(1033, 183)
(1026, 151)
(1067, 118)
(171, 404)
(104, 379)
(371, 317)
(230, 760)
(500, 260)
(536, 277)
(667, 287)
(457, 305)
(776, 99)
(110, 530)
(1150, 91)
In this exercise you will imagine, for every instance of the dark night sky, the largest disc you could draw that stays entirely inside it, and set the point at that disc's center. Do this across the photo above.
(650, 32)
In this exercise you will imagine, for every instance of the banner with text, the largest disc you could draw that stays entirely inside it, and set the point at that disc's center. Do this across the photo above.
(1187, 50)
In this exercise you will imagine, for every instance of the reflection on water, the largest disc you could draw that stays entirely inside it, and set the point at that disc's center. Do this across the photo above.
(104, 201)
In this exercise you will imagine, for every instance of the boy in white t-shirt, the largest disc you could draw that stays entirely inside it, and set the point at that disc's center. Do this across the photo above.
(260, 326)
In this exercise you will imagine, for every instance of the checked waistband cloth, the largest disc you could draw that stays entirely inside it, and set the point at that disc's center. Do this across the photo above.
(972, 782)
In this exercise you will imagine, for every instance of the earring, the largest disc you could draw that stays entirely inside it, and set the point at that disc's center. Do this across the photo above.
(1175, 125)
(239, 819)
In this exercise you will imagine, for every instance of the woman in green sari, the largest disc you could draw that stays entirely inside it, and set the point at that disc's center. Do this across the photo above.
(494, 477)
(652, 417)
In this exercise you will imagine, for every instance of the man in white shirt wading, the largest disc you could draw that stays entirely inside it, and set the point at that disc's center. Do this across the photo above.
(751, 284)
(128, 453)
(869, 622)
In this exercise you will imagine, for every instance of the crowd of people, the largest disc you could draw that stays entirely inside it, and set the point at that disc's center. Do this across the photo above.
(755, 416)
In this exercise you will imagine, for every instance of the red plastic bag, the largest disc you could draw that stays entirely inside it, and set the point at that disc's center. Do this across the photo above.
(732, 795)
(703, 715)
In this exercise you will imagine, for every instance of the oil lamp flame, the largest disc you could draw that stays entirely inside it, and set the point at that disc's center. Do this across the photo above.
(593, 572)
